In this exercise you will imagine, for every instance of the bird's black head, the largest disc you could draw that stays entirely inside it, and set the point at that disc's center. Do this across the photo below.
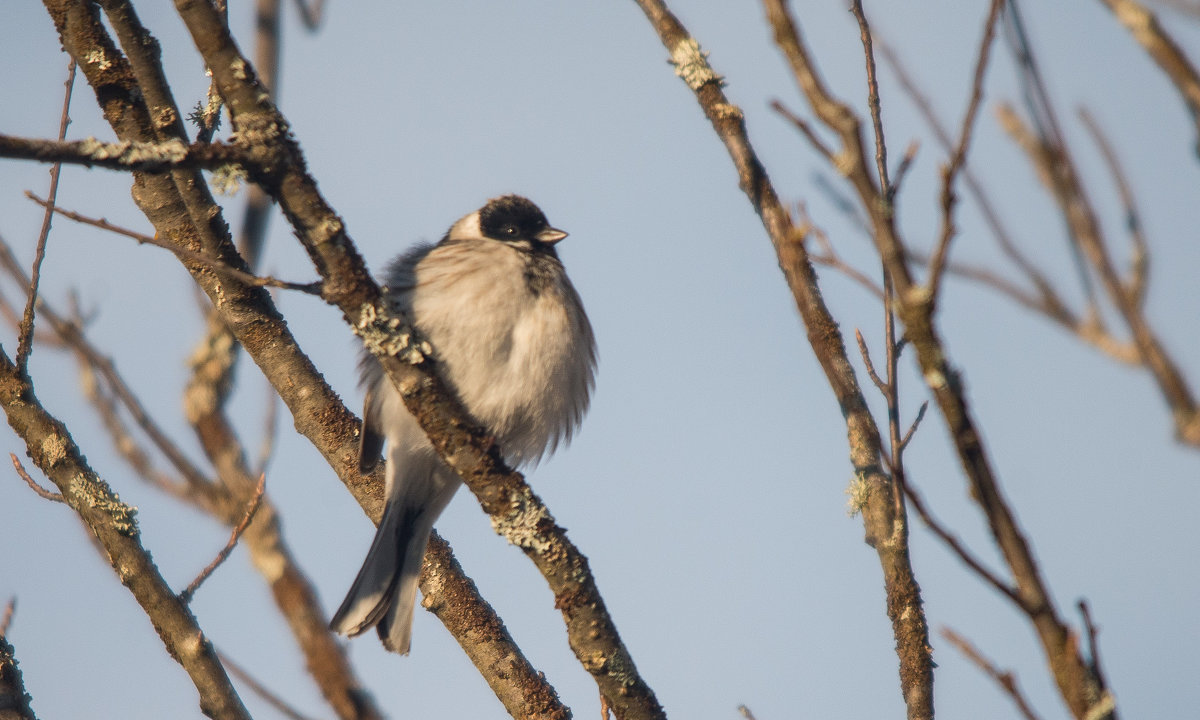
(513, 218)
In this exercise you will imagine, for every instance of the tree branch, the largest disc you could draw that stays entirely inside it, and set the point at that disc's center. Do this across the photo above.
(1147, 31)
(884, 530)
(114, 526)
(916, 305)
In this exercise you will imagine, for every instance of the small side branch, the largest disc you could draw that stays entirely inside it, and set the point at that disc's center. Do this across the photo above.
(25, 336)
(41, 491)
(186, 595)
(1004, 678)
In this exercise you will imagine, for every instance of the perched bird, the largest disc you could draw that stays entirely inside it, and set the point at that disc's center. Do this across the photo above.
(512, 341)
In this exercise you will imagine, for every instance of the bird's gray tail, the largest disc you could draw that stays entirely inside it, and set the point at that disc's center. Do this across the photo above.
(385, 591)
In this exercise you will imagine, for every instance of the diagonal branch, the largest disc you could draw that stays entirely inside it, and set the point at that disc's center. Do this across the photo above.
(1147, 31)
(113, 524)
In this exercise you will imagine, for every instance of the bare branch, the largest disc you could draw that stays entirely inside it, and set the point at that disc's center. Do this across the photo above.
(25, 336)
(127, 155)
(910, 155)
(1056, 167)
(113, 524)
(313, 288)
(261, 690)
(190, 590)
(805, 129)
(915, 306)
(1004, 678)
(1147, 31)
(912, 429)
(1049, 299)
(41, 491)
(866, 356)
(1135, 287)
(937, 263)
(864, 31)
(883, 529)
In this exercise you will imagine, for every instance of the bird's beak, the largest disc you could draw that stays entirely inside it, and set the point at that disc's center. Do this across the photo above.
(550, 235)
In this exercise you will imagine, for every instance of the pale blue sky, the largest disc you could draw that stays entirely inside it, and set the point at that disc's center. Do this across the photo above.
(707, 484)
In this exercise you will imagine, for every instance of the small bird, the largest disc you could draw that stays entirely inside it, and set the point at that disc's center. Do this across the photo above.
(512, 340)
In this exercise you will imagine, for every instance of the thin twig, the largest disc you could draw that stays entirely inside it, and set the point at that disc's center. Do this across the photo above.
(41, 491)
(805, 129)
(937, 263)
(260, 690)
(70, 335)
(906, 162)
(313, 288)
(991, 216)
(960, 550)
(864, 31)
(270, 426)
(25, 337)
(1004, 678)
(829, 257)
(1093, 634)
(1135, 288)
(866, 356)
(912, 429)
(1056, 164)
(186, 595)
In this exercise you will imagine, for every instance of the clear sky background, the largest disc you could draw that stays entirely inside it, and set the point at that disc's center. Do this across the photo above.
(707, 484)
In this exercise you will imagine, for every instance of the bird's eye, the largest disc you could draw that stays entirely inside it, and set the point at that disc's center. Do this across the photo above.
(509, 230)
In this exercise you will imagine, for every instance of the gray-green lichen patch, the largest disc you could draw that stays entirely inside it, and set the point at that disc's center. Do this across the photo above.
(95, 493)
(385, 331)
(521, 525)
(134, 153)
(857, 494)
(227, 180)
(691, 64)
(54, 449)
